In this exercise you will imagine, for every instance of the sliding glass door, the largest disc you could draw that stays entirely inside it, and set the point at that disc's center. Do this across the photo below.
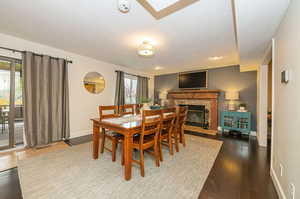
(11, 103)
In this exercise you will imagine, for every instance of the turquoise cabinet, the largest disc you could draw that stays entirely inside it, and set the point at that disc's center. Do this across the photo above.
(237, 121)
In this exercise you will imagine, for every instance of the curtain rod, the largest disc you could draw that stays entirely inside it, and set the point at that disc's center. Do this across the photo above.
(131, 74)
(20, 51)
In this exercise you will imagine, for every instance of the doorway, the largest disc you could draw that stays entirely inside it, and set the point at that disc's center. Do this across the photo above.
(270, 100)
(11, 103)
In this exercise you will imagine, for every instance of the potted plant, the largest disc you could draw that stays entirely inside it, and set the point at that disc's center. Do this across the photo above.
(146, 103)
(242, 107)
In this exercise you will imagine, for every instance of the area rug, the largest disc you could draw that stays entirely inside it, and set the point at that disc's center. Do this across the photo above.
(72, 174)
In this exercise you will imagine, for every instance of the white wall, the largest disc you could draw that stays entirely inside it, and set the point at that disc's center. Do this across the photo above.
(286, 136)
(262, 105)
(83, 105)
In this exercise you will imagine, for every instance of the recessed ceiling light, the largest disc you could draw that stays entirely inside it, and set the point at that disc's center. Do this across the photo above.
(158, 68)
(215, 58)
(146, 49)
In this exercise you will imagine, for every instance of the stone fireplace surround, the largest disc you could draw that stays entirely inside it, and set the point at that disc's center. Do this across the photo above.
(205, 103)
(208, 98)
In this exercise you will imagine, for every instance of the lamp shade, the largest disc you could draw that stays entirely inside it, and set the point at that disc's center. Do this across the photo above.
(163, 95)
(232, 95)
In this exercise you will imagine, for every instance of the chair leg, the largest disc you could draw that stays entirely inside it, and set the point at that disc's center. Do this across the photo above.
(176, 142)
(142, 163)
(156, 152)
(182, 137)
(160, 150)
(113, 149)
(170, 142)
(123, 154)
(102, 141)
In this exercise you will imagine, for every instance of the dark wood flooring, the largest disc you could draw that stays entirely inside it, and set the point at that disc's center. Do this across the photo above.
(241, 171)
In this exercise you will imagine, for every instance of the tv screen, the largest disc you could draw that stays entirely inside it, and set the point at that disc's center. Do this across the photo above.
(193, 80)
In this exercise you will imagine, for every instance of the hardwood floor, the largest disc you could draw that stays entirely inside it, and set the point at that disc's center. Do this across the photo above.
(9, 184)
(241, 171)
(8, 159)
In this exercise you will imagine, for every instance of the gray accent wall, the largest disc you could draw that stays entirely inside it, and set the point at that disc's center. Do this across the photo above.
(224, 79)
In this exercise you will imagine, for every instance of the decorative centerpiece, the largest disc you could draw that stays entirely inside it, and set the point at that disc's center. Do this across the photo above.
(146, 104)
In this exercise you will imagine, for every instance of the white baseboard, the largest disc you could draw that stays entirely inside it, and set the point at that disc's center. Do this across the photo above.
(81, 133)
(277, 184)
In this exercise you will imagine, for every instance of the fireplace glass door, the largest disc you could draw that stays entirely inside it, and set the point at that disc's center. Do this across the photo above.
(197, 116)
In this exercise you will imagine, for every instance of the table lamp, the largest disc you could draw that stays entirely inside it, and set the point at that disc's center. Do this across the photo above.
(163, 97)
(231, 96)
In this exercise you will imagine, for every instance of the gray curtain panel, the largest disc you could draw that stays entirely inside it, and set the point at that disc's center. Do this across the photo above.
(142, 89)
(46, 99)
(120, 89)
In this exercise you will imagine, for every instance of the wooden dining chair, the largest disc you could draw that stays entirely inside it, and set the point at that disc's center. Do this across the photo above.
(137, 108)
(180, 121)
(127, 109)
(108, 112)
(149, 136)
(168, 126)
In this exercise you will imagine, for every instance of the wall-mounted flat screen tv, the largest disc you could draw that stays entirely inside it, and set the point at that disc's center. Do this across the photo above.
(193, 80)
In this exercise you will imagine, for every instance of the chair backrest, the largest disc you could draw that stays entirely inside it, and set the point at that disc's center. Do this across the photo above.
(137, 108)
(169, 116)
(127, 109)
(181, 116)
(151, 124)
(107, 112)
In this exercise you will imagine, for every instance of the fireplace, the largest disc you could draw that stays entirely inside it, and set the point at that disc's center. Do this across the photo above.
(202, 109)
(197, 115)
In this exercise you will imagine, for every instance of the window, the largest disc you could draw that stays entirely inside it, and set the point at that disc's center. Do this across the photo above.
(5, 73)
(130, 89)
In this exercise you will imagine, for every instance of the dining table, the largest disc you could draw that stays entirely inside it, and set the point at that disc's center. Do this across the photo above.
(128, 126)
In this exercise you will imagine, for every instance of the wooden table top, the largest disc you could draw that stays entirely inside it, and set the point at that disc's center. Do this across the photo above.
(125, 122)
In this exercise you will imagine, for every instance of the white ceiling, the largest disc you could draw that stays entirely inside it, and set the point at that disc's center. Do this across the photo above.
(257, 22)
(183, 40)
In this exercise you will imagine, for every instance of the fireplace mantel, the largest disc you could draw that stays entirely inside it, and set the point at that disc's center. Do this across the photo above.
(193, 94)
(200, 96)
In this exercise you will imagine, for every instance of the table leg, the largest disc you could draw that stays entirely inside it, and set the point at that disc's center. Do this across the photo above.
(128, 140)
(95, 141)
(102, 140)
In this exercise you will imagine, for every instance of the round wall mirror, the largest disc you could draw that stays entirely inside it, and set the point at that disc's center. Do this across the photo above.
(94, 82)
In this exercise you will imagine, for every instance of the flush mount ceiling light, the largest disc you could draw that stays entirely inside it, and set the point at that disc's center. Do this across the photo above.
(146, 49)
(215, 58)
